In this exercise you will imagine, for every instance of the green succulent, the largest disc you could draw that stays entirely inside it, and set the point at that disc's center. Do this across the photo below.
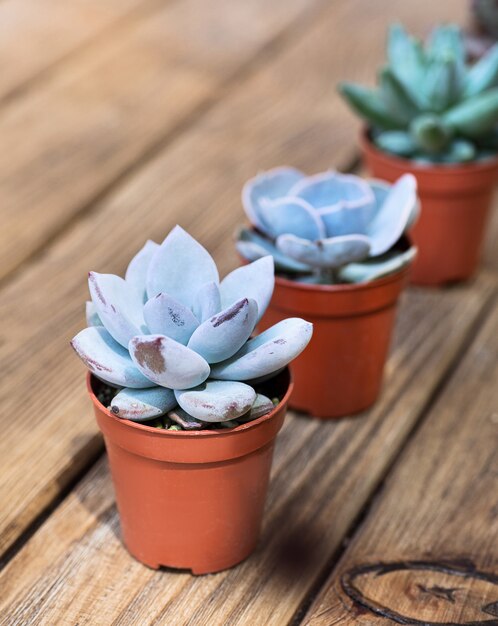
(486, 14)
(429, 104)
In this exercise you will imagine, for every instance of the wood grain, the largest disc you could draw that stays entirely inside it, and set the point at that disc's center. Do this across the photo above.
(36, 34)
(108, 107)
(439, 506)
(74, 569)
(288, 111)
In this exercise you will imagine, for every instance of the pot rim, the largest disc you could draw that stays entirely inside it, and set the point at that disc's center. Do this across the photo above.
(432, 170)
(346, 287)
(189, 433)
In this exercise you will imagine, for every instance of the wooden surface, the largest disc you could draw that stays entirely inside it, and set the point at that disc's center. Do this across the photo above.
(142, 114)
(439, 505)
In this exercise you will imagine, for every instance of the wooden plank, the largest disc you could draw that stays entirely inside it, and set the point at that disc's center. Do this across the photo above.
(439, 505)
(35, 34)
(103, 110)
(75, 568)
(195, 182)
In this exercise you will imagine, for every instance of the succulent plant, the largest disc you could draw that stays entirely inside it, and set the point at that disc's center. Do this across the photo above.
(170, 333)
(486, 15)
(330, 227)
(429, 105)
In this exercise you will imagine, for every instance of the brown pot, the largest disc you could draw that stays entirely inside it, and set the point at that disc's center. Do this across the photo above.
(191, 500)
(455, 204)
(340, 372)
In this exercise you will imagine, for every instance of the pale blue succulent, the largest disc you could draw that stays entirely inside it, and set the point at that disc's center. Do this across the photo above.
(170, 333)
(329, 227)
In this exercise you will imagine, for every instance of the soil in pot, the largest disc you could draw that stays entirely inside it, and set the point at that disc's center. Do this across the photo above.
(455, 201)
(191, 499)
(340, 372)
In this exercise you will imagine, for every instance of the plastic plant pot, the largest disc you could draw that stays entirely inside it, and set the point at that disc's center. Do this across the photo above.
(191, 499)
(455, 202)
(340, 372)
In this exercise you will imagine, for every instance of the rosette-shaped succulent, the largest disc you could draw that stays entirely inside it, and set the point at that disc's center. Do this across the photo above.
(170, 333)
(486, 15)
(429, 105)
(330, 227)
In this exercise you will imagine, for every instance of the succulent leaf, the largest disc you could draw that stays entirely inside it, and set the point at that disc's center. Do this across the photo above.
(269, 185)
(180, 267)
(92, 317)
(267, 353)
(380, 190)
(445, 42)
(342, 220)
(207, 301)
(372, 269)
(431, 133)
(407, 60)
(107, 359)
(118, 305)
(183, 419)
(483, 75)
(392, 218)
(253, 246)
(166, 316)
(331, 187)
(442, 85)
(261, 406)
(219, 337)
(398, 142)
(460, 151)
(255, 281)
(369, 105)
(325, 253)
(395, 96)
(290, 215)
(476, 116)
(136, 273)
(217, 400)
(168, 363)
(140, 405)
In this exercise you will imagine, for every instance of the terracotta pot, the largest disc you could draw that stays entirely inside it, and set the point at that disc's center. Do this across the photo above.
(455, 206)
(191, 500)
(340, 372)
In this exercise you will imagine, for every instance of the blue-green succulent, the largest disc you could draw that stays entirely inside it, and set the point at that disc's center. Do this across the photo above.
(330, 227)
(429, 104)
(486, 14)
(176, 341)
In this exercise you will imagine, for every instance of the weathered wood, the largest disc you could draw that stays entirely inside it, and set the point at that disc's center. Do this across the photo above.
(75, 566)
(35, 34)
(104, 109)
(197, 182)
(437, 515)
